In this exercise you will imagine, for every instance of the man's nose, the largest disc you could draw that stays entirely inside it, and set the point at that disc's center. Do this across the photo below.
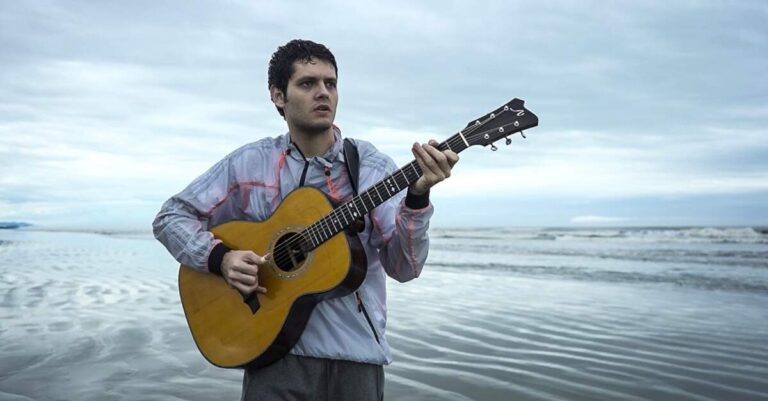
(323, 90)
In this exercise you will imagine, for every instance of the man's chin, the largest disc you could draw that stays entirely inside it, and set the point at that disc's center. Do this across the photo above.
(318, 128)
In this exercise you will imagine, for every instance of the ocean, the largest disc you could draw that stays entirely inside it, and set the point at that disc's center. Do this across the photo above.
(497, 314)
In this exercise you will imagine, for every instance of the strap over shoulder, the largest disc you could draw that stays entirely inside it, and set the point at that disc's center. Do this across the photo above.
(352, 159)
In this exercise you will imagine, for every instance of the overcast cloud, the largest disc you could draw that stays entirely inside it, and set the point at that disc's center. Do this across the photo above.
(651, 113)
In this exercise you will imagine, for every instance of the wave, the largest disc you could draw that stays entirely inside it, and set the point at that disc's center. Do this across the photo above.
(678, 278)
(492, 251)
(750, 235)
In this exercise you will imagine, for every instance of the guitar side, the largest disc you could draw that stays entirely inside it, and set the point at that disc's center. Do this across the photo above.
(226, 330)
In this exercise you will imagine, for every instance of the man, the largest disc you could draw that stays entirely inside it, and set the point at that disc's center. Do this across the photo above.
(343, 347)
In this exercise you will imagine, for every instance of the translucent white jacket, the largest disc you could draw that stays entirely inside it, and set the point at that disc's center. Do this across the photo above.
(250, 183)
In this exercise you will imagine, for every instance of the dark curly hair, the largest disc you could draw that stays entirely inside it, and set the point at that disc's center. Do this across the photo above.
(281, 64)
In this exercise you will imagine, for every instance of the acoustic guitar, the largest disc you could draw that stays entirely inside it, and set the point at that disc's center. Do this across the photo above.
(314, 257)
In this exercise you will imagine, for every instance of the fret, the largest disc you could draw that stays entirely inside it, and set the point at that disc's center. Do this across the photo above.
(327, 231)
(311, 232)
(377, 193)
(315, 242)
(332, 227)
(362, 203)
(407, 181)
(350, 211)
(360, 197)
(373, 203)
(450, 146)
(324, 224)
(415, 171)
(335, 220)
(410, 178)
(388, 193)
(347, 220)
(398, 179)
(395, 189)
(464, 139)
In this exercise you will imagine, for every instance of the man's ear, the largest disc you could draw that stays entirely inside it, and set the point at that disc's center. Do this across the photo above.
(278, 97)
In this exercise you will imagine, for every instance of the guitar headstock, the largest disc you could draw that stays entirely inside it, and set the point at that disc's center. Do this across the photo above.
(507, 120)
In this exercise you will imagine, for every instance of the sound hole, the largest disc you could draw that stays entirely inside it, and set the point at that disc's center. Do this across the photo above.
(289, 254)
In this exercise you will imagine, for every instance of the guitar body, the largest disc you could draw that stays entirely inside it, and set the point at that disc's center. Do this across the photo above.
(230, 332)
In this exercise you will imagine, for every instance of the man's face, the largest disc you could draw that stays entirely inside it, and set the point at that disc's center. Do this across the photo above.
(310, 100)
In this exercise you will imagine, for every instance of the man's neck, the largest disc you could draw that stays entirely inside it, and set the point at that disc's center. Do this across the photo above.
(312, 145)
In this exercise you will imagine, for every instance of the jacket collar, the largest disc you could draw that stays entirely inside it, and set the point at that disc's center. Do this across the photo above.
(333, 153)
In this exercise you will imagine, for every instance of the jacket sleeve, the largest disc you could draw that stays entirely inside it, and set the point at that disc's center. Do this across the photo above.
(183, 221)
(400, 234)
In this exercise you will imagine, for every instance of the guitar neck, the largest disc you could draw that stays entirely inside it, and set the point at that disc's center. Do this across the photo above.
(344, 215)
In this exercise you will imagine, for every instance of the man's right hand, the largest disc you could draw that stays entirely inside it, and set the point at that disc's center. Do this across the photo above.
(240, 270)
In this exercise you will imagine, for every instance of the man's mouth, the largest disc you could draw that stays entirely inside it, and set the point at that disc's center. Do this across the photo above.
(323, 107)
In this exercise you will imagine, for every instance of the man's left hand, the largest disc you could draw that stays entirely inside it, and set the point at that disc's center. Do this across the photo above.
(435, 165)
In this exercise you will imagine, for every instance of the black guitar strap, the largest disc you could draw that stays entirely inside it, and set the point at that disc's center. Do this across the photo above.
(352, 159)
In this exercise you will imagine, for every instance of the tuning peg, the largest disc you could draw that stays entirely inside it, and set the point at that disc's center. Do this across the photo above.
(522, 133)
(508, 141)
(494, 148)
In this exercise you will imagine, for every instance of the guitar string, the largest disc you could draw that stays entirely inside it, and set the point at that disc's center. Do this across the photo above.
(302, 238)
(332, 219)
(282, 254)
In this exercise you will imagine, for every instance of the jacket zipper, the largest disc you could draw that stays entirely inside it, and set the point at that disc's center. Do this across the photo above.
(361, 308)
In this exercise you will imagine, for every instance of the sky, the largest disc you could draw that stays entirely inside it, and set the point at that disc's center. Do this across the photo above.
(651, 113)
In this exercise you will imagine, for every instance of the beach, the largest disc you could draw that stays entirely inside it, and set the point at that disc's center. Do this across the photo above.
(502, 314)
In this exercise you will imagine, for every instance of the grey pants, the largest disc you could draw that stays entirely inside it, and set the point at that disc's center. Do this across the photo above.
(296, 378)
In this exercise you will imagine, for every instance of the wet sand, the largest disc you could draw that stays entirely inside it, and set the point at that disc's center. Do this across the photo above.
(494, 338)
(96, 317)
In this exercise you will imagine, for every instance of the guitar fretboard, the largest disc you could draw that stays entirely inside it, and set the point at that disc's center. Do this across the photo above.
(344, 215)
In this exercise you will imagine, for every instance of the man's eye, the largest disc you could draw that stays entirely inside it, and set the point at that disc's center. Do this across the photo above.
(330, 84)
(306, 84)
